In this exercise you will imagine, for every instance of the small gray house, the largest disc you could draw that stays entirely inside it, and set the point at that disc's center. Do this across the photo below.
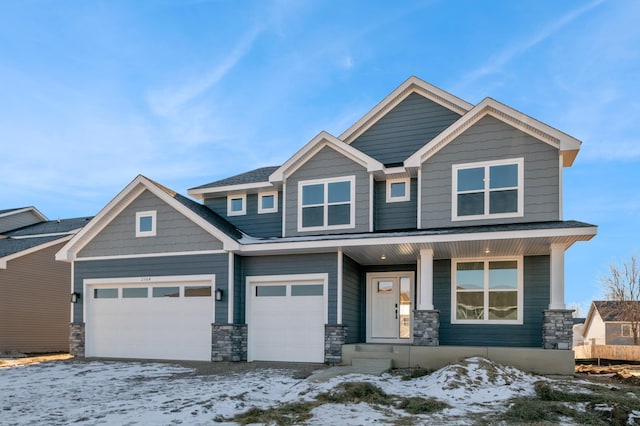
(428, 230)
(34, 288)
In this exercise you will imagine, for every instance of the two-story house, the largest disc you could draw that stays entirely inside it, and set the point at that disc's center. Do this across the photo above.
(430, 229)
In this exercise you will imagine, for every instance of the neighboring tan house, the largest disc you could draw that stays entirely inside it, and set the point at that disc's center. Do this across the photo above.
(34, 288)
(430, 229)
(606, 324)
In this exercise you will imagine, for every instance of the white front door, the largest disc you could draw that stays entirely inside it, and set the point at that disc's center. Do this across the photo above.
(389, 307)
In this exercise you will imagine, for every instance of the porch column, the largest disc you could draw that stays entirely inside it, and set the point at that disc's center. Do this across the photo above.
(556, 301)
(425, 289)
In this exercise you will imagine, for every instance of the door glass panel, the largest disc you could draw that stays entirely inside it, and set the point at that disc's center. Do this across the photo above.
(307, 290)
(405, 308)
(197, 291)
(271, 290)
(166, 292)
(136, 292)
(385, 286)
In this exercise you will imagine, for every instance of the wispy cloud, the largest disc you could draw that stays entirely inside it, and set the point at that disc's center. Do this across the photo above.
(497, 62)
(166, 102)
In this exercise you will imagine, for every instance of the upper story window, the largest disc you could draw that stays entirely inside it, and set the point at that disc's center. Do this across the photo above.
(487, 291)
(268, 202)
(236, 205)
(146, 224)
(326, 204)
(398, 190)
(491, 189)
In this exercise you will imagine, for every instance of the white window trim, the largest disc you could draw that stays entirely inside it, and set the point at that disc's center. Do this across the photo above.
(407, 192)
(139, 215)
(622, 328)
(520, 290)
(275, 202)
(486, 190)
(326, 182)
(242, 212)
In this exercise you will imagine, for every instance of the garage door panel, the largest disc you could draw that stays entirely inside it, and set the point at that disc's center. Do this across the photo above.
(286, 327)
(152, 327)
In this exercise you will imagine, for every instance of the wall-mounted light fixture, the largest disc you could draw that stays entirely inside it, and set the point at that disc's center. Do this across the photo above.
(218, 294)
(75, 297)
(383, 257)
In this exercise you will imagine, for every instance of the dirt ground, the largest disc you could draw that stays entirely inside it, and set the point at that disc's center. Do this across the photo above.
(621, 374)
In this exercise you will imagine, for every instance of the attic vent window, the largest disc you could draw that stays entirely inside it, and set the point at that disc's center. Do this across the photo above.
(146, 224)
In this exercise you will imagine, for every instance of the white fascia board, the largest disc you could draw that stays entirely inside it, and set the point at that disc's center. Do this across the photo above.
(120, 202)
(4, 260)
(314, 146)
(224, 190)
(547, 134)
(587, 233)
(411, 85)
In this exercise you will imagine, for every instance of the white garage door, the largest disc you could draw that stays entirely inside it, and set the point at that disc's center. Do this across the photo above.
(167, 320)
(286, 320)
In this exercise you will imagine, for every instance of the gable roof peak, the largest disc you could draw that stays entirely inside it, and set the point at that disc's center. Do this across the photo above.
(411, 85)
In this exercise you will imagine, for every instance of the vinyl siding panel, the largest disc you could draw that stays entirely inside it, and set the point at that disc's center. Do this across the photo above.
(529, 334)
(254, 224)
(328, 163)
(353, 300)
(174, 232)
(293, 264)
(154, 267)
(405, 129)
(34, 303)
(392, 216)
(491, 139)
(18, 220)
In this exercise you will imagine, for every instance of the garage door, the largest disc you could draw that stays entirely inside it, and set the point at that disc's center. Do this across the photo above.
(168, 320)
(286, 320)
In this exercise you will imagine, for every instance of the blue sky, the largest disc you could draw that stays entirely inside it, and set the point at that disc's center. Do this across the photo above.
(187, 92)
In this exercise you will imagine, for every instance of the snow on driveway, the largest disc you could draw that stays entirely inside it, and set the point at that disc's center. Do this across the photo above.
(130, 393)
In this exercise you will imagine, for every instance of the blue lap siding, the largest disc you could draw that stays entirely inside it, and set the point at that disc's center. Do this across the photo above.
(529, 334)
(152, 267)
(353, 300)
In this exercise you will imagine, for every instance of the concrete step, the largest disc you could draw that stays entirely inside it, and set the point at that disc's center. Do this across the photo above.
(374, 348)
(382, 364)
(358, 366)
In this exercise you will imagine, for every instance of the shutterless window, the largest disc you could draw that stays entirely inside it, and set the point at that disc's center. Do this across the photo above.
(487, 290)
(398, 190)
(236, 205)
(105, 293)
(492, 189)
(135, 292)
(166, 292)
(146, 224)
(267, 202)
(327, 205)
(197, 291)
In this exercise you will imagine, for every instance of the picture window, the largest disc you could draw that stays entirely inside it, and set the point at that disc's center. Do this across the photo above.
(146, 224)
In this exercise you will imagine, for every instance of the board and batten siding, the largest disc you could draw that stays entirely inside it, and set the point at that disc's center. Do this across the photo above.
(174, 232)
(491, 139)
(399, 215)
(528, 334)
(289, 265)
(353, 300)
(34, 303)
(256, 225)
(326, 164)
(202, 264)
(405, 129)
(18, 220)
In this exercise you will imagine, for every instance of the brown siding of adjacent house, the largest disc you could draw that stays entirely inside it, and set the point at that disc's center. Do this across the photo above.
(34, 303)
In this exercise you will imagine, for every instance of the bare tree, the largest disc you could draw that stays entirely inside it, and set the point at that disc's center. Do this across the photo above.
(623, 285)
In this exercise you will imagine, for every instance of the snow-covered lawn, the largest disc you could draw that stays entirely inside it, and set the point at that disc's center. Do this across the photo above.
(100, 392)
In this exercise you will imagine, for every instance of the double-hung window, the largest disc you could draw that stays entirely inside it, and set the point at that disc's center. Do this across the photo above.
(488, 190)
(326, 204)
(487, 291)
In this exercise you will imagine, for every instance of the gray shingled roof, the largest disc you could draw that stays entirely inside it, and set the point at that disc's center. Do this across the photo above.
(611, 310)
(50, 227)
(254, 176)
(30, 236)
(210, 216)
